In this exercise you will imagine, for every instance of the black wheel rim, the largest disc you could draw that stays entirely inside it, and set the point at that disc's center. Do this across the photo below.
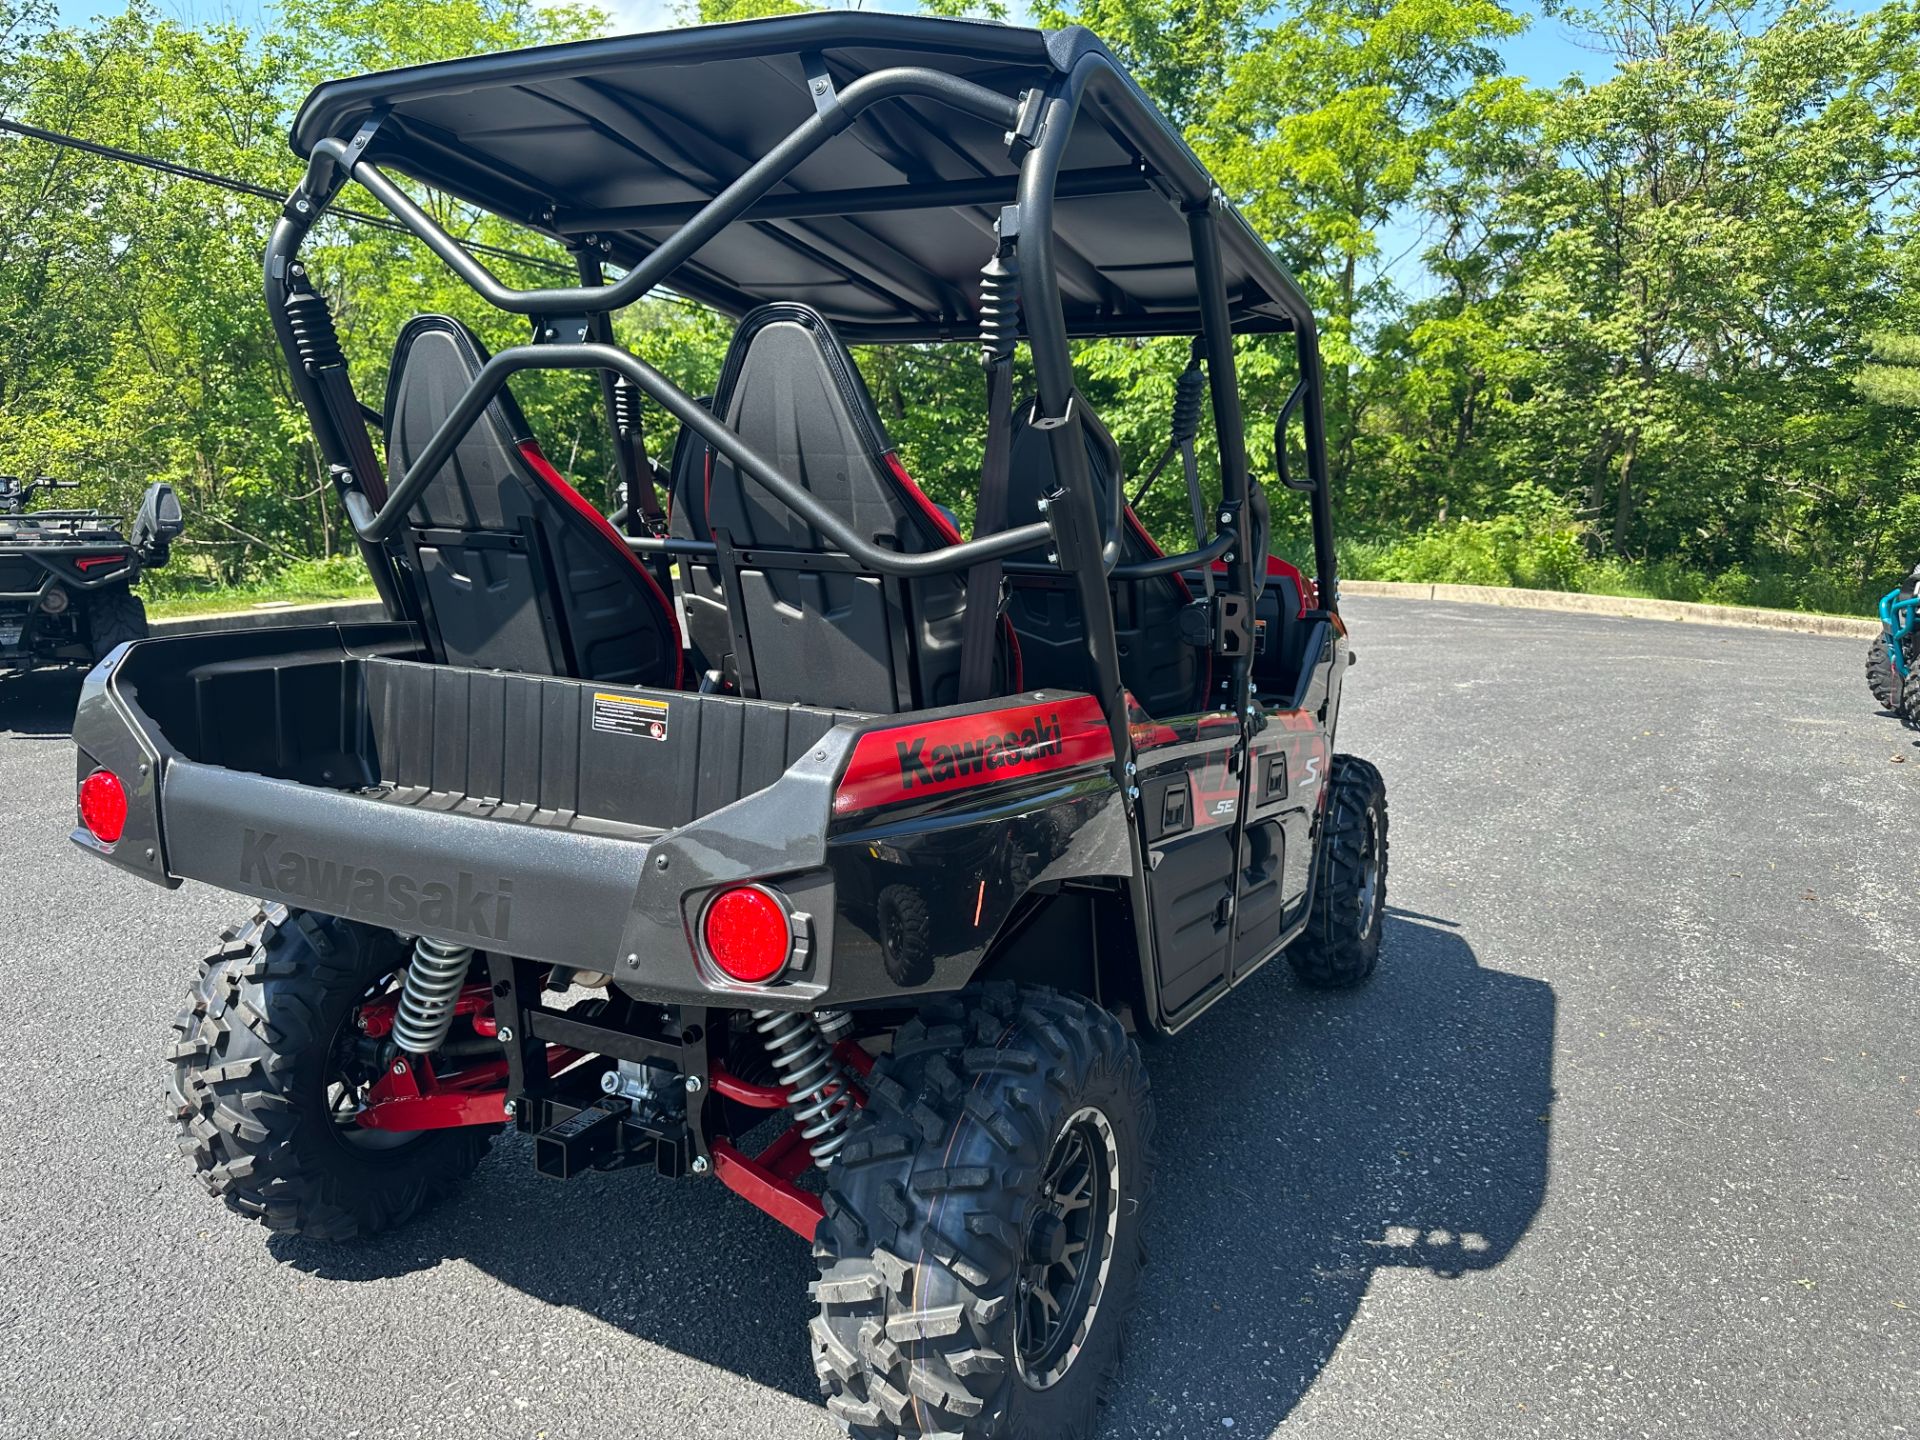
(1068, 1249)
(1370, 875)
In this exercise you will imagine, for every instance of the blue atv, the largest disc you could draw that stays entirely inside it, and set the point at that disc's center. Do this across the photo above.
(1893, 660)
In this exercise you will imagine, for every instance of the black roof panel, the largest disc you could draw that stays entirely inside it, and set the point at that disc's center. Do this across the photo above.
(622, 137)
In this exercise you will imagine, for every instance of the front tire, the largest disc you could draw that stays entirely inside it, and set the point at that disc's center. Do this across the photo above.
(1341, 944)
(984, 1231)
(114, 617)
(1883, 681)
(257, 1084)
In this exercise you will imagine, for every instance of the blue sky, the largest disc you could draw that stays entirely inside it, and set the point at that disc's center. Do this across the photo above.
(1545, 54)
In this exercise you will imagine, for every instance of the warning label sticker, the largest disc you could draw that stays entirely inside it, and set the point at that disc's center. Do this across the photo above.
(630, 715)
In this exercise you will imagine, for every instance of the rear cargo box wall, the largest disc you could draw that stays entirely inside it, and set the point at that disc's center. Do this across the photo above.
(658, 758)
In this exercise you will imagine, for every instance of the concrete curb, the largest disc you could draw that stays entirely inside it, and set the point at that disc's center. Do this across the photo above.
(350, 612)
(272, 617)
(1621, 606)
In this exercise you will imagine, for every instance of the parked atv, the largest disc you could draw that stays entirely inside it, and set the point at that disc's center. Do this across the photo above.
(65, 574)
(1891, 659)
(904, 838)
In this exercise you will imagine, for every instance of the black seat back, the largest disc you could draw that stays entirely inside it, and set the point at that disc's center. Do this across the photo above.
(516, 569)
(1164, 673)
(801, 628)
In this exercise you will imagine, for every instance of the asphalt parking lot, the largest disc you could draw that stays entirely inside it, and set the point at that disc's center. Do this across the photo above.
(1623, 1141)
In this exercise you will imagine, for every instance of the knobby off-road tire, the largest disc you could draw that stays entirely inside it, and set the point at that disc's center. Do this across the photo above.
(1341, 944)
(256, 1053)
(113, 618)
(1882, 679)
(1908, 707)
(998, 1112)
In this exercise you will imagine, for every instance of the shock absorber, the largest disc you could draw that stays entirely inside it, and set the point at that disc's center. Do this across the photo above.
(425, 1013)
(814, 1080)
(1189, 391)
(314, 336)
(999, 307)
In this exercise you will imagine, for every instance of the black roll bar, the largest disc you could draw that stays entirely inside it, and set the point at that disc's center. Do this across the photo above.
(1082, 544)
(1136, 570)
(900, 82)
(375, 527)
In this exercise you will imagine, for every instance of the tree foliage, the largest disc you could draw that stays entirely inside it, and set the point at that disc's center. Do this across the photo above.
(1662, 317)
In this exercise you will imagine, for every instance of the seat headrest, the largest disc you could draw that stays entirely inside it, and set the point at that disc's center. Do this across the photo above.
(792, 391)
(435, 360)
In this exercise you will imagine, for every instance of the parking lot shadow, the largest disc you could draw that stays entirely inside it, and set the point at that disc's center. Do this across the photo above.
(1309, 1140)
(1305, 1142)
(39, 704)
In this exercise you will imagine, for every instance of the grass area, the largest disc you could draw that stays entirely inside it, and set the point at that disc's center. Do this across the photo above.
(181, 589)
(1536, 543)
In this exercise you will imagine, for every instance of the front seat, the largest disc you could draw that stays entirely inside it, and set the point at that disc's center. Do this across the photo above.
(1165, 673)
(818, 631)
(515, 569)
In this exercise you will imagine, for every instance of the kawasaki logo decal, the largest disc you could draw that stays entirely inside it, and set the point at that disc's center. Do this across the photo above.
(911, 761)
(920, 765)
(468, 905)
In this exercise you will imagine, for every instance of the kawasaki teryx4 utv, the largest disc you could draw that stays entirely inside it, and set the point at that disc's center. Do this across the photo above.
(1893, 660)
(788, 840)
(64, 574)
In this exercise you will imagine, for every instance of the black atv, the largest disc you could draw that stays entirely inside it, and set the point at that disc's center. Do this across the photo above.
(901, 837)
(65, 575)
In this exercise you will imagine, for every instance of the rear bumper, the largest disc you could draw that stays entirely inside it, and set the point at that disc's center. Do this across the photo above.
(542, 894)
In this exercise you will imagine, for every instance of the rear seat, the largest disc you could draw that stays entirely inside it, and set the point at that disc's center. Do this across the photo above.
(514, 568)
(819, 634)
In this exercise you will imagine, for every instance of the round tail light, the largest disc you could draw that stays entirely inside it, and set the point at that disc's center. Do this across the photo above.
(103, 806)
(748, 932)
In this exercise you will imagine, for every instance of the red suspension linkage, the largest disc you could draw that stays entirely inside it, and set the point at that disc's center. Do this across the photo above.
(410, 1096)
(376, 1016)
(766, 1180)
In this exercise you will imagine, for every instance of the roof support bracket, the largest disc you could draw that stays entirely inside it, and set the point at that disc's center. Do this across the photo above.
(1025, 133)
(304, 205)
(826, 99)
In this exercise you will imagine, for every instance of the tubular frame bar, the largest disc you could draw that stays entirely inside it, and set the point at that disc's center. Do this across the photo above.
(900, 82)
(1077, 525)
(282, 246)
(1223, 384)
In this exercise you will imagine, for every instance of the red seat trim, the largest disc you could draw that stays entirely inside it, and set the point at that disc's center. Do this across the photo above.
(557, 485)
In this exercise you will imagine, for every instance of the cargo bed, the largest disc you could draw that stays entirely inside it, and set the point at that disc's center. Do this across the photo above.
(335, 769)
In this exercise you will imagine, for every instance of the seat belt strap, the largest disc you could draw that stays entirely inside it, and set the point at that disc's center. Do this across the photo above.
(980, 634)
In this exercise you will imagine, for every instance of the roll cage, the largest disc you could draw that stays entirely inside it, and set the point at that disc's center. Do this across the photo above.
(1034, 121)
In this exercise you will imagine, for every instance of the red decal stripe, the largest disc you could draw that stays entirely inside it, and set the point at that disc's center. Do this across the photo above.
(93, 562)
(907, 762)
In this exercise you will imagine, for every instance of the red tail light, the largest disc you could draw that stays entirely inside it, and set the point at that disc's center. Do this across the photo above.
(103, 806)
(748, 932)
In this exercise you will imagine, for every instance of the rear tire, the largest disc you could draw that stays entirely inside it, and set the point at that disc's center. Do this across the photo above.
(1341, 944)
(1908, 706)
(1007, 1137)
(1883, 681)
(114, 617)
(256, 1055)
